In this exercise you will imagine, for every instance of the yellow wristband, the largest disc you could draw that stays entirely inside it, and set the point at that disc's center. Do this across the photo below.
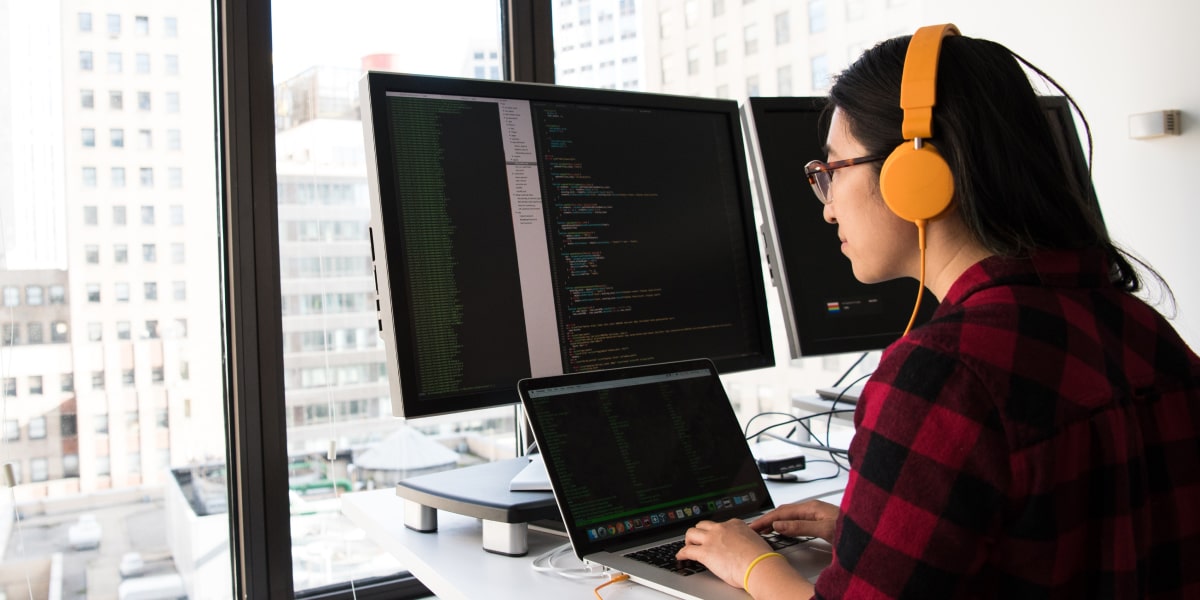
(754, 563)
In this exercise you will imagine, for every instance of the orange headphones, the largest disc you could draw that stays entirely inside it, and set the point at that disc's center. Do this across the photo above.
(915, 181)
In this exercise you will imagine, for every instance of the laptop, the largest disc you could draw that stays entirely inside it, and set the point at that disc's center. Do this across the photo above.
(636, 456)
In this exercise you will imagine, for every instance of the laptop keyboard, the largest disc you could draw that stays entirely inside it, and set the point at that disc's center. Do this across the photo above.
(663, 555)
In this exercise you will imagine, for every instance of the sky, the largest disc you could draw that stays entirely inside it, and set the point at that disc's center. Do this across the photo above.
(431, 36)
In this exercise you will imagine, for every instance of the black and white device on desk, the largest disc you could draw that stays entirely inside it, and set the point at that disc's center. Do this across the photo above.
(524, 230)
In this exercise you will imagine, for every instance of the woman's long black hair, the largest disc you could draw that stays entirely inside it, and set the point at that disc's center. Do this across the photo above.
(1013, 187)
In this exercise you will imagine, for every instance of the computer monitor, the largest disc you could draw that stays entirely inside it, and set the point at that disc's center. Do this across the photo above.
(826, 310)
(526, 230)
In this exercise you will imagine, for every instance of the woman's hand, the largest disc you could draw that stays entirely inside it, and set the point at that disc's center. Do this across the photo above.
(803, 519)
(725, 548)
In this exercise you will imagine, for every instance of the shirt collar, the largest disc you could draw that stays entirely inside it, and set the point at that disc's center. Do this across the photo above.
(1050, 268)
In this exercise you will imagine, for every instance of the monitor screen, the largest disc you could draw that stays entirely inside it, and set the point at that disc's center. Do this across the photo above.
(826, 310)
(528, 230)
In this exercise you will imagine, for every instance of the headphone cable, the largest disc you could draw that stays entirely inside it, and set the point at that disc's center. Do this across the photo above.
(921, 283)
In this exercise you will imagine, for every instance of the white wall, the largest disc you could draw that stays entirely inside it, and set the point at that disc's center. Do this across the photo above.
(1117, 59)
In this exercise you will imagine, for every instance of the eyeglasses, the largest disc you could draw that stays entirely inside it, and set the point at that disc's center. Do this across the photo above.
(820, 174)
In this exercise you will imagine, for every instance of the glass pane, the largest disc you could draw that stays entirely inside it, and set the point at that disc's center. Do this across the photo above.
(100, 491)
(735, 50)
(336, 382)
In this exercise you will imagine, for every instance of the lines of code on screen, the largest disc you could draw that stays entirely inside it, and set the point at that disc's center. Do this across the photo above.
(648, 251)
(463, 296)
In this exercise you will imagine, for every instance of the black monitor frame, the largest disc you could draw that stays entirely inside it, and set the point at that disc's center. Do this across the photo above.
(396, 304)
(806, 264)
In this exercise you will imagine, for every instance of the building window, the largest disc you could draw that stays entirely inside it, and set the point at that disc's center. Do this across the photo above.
(85, 60)
(172, 102)
(70, 465)
(816, 17)
(67, 382)
(149, 253)
(35, 382)
(123, 330)
(114, 24)
(783, 29)
(35, 333)
(35, 295)
(12, 295)
(143, 100)
(146, 177)
(175, 177)
(151, 290)
(170, 27)
(10, 335)
(100, 423)
(116, 100)
(820, 72)
(145, 139)
(134, 462)
(177, 253)
(103, 466)
(118, 177)
(39, 468)
(58, 294)
(152, 329)
(95, 332)
(88, 135)
(162, 418)
(171, 62)
(142, 61)
(147, 215)
(58, 332)
(87, 99)
(128, 378)
(115, 62)
(181, 328)
(37, 428)
(93, 293)
(89, 177)
(179, 290)
(718, 7)
(177, 214)
(720, 50)
(722, 91)
(750, 36)
(141, 25)
(855, 9)
(117, 135)
(12, 430)
(120, 254)
(121, 290)
(67, 425)
(118, 215)
(693, 60)
(97, 380)
(91, 253)
(10, 387)
(752, 86)
(174, 139)
(85, 22)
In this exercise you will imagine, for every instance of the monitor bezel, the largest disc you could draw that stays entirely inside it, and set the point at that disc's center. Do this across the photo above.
(392, 305)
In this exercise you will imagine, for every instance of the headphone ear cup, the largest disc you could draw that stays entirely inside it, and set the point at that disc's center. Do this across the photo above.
(916, 183)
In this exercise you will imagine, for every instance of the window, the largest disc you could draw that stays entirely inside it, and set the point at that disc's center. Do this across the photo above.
(180, 328)
(36, 333)
(128, 379)
(134, 463)
(816, 17)
(174, 177)
(115, 63)
(67, 382)
(85, 22)
(783, 29)
(171, 64)
(124, 330)
(35, 383)
(66, 425)
(177, 214)
(752, 87)
(39, 468)
(156, 376)
(177, 253)
(162, 418)
(121, 290)
(103, 466)
(116, 100)
(117, 135)
(150, 290)
(146, 177)
(820, 72)
(172, 102)
(145, 139)
(35, 295)
(10, 387)
(142, 61)
(89, 177)
(120, 253)
(750, 35)
(87, 99)
(149, 253)
(95, 331)
(718, 8)
(58, 294)
(147, 215)
(179, 290)
(143, 100)
(93, 292)
(88, 135)
(37, 428)
(152, 329)
(114, 25)
(100, 421)
(11, 335)
(174, 139)
(171, 27)
(141, 25)
(70, 465)
(693, 60)
(117, 175)
(85, 60)
(12, 295)
(118, 215)
(59, 332)
(855, 9)
(97, 380)
(720, 50)
(12, 430)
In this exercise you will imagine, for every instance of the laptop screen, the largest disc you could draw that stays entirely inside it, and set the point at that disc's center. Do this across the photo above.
(640, 452)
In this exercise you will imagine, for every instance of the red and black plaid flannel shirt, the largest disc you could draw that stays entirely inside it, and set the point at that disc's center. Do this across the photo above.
(1039, 437)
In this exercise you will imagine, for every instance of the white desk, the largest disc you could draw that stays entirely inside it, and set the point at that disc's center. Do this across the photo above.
(452, 563)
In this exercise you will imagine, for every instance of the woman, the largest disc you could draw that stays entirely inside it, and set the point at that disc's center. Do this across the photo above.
(1039, 435)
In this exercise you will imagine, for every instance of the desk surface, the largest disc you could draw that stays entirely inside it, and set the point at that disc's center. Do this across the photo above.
(453, 564)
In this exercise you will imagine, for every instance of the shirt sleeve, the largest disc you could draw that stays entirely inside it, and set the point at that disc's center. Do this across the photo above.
(929, 470)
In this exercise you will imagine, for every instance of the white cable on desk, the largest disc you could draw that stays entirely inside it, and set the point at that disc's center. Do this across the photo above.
(544, 563)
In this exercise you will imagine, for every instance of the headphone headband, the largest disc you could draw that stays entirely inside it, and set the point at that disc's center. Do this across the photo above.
(918, 89)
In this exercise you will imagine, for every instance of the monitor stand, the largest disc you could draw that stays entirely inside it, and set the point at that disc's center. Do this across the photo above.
(482, 491)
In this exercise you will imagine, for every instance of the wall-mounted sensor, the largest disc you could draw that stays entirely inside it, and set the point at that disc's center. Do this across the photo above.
(1154, 124)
